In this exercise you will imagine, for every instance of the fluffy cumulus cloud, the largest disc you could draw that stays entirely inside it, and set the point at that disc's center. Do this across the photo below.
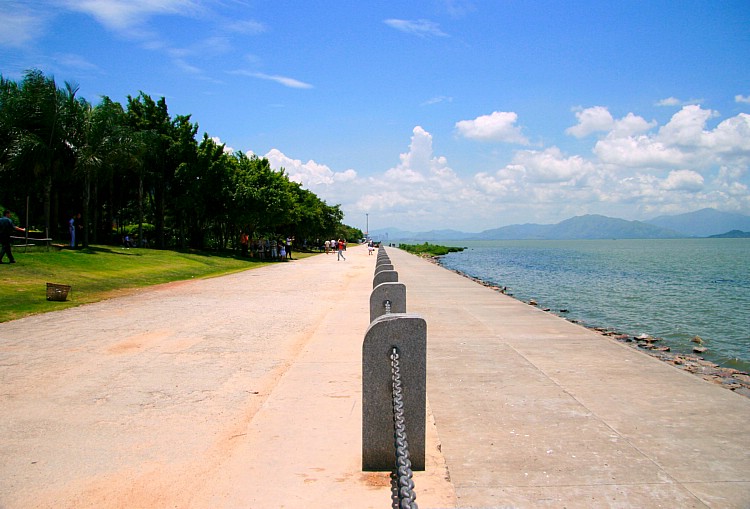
(497, 126)
(591, 120)
(416, 186)
(683, 180)
(551, 165)
(599, 119)
(636, 169)
(314, 176)
(686, 140)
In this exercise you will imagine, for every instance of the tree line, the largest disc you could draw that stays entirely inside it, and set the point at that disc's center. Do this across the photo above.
(138, 169)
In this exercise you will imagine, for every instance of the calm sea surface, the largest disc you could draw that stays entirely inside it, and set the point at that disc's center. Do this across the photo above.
(672, 289)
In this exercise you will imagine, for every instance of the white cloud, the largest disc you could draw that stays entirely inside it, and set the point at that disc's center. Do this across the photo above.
(21, 25)
(673, 101)
(637, 152)
(631, 124)
(122, 15)
(669, 101)
(437, 100)
(742, 98)
(311, 175)
(420, 27)
(497, 126)
(72, 61)
(684, 141)
(686, 127)
(599, 119)
(283, 80)
(683, 180)
(551, 165)
(591, 120)
(227, 149)
(634, 172)
(247, 27)
(732, 136)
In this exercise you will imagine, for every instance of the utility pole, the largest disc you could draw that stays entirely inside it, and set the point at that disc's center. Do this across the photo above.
(367, 228)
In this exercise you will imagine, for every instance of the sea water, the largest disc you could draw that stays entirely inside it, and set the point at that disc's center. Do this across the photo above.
(671, 289)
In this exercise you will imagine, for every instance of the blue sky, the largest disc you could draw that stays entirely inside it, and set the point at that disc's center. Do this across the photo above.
(434, 114)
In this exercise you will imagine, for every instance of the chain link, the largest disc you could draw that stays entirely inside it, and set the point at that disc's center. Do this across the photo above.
(402, 484)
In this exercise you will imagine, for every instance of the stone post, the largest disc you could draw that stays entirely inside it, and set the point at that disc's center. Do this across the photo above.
(394, 293)
(385, 276)
(408, 333)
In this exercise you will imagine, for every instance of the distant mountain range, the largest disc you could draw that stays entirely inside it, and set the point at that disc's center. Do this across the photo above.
(701, 223)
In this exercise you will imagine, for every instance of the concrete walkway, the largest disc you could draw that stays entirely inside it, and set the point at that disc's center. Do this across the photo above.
(245, 392)
(534, 411)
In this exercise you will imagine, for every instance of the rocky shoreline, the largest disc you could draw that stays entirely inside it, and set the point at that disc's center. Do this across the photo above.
(729, 378)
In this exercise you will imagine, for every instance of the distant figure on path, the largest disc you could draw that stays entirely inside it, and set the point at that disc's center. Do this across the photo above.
(72, 230)
(79, 230)
(370, 247)
(6, 229)
(244, 239)
(289, 242)
(341, 250)
(328, 246)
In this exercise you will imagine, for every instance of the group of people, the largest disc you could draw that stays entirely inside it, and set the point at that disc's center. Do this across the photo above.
(266, 249)
(338, 245)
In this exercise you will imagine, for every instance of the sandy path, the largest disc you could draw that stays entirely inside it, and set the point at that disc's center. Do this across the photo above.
(211, 393)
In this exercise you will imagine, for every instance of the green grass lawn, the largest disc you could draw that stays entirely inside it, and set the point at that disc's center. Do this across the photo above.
(100, 272)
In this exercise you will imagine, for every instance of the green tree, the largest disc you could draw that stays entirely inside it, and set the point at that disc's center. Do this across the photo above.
(151, 118)
(138, 166)
(263, 199)
(204, 188)
(41, 122)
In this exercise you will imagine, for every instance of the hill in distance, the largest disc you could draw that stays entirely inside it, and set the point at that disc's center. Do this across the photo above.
(590, 226)
(734, 234)
(702, 223)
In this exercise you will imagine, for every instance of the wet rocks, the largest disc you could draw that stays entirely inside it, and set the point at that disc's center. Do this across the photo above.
(729, 378)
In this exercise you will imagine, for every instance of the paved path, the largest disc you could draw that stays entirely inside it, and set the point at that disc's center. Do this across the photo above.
(245, 391)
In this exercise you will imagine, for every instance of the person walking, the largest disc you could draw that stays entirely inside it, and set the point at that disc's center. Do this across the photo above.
(340, 250)
(6, 229)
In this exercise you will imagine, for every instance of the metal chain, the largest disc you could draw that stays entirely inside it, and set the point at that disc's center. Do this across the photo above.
(402, 484)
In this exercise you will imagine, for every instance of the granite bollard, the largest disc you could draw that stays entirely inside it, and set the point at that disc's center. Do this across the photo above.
(394, 293)
(408, 333)
(383, 266)
(385, 276)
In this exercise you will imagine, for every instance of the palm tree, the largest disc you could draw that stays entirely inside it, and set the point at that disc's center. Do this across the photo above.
(41, 121)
